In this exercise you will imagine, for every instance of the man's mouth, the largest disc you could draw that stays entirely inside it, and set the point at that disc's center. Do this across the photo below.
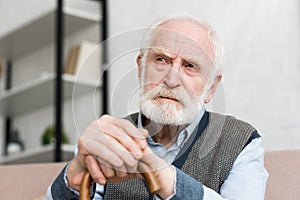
(167, 98)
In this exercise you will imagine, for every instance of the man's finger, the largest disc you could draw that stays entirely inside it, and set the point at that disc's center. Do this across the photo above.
(95, 170)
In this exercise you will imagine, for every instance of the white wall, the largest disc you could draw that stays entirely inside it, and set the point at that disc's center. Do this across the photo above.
(261, 64)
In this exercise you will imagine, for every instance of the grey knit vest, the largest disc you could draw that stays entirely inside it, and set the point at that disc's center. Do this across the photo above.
(209, 161)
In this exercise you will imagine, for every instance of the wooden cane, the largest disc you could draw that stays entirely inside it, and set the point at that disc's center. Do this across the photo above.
(149, 176)
(84, 193)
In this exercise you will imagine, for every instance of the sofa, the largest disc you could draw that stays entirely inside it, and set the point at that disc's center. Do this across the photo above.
(284, 179)
(30, 181)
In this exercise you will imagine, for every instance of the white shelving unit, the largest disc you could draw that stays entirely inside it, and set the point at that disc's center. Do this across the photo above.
(25, 38)
(38, 93)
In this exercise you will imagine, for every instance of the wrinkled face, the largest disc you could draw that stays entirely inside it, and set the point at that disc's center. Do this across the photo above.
(174, 73)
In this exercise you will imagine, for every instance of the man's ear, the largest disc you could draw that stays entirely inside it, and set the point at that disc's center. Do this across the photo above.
(139, 64)
(213, 88)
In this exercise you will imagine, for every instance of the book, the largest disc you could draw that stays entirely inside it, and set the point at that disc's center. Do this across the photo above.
(2, 76)
(84, 61)
(72, 60)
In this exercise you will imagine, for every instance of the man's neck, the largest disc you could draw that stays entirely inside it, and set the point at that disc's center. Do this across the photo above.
(162, 133)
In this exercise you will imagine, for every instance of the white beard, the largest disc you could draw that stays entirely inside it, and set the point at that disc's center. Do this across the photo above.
(168, 112)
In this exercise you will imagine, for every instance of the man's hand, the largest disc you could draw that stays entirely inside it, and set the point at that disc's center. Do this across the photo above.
(109, 147)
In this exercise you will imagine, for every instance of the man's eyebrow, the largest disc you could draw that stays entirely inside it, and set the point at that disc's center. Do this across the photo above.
(198, 60)
(192, 59)
(162, 51)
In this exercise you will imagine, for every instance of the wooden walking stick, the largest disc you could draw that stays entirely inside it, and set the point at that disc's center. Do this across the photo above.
(149, 176)
(84, 193)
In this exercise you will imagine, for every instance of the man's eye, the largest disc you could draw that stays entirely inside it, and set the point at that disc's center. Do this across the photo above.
(161, 60)
(192, 68)
(190, 65)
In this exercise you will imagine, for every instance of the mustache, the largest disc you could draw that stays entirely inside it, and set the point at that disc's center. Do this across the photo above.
(163, 91)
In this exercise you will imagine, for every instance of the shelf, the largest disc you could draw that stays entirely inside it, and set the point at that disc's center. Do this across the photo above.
(40, 93)
(38, 155)
(40, 32)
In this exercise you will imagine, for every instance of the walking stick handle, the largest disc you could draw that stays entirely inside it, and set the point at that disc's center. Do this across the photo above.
(148, 175)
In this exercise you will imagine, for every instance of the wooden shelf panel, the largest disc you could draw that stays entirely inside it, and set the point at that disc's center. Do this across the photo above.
(40, 32)
(38, 155)
(40, 93)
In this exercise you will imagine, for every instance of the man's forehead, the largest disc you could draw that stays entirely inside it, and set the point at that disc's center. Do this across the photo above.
(184, 42)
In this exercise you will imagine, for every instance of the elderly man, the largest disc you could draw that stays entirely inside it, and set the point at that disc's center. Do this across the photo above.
(195, 154)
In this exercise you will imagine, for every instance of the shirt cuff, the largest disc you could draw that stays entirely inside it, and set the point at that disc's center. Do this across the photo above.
(66, 181)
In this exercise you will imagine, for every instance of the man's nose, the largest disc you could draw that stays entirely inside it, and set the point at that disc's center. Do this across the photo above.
(173, 78)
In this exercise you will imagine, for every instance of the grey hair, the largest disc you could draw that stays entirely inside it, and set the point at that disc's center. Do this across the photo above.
(212, 36)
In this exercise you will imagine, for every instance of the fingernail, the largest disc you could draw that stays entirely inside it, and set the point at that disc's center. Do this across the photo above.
(143, 144)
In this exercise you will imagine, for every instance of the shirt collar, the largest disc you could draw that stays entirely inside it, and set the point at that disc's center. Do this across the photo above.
(189, 129)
